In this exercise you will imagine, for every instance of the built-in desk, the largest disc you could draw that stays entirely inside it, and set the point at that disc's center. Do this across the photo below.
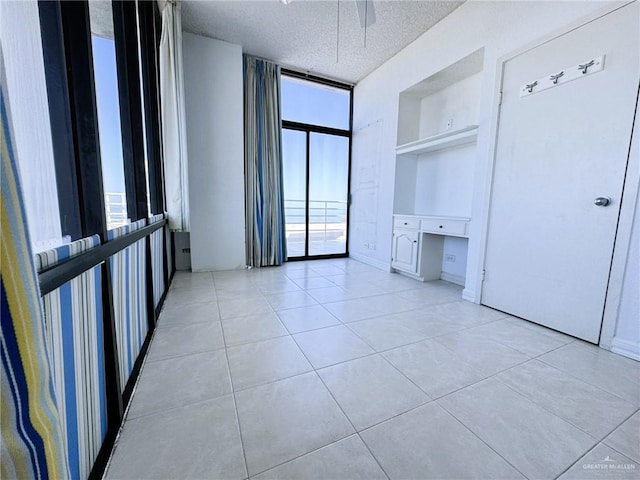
(418, 242)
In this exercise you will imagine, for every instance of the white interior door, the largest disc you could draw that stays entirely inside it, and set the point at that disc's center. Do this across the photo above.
(549, 246)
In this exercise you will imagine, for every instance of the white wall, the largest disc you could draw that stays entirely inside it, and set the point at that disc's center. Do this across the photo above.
(499, 27)
(444, 182)
(458, 103)
(214, 111)
(627, 335)
(454, 269)
(29, 109)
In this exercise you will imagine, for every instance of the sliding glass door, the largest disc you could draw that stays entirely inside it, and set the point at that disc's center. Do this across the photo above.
(328, 194)
(294, 154)
(316, 167)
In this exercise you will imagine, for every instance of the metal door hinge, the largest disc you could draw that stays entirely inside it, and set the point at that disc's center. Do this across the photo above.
(500, 99)
(484, 273)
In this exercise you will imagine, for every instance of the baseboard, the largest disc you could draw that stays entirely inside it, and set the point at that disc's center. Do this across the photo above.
(469, 295)
(451, 278)
(371, 261)
(626, 348)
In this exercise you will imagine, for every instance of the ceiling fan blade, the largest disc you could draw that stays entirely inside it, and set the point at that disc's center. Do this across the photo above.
(366, 12)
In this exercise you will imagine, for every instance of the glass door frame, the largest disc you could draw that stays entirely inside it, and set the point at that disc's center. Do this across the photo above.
(309, 129)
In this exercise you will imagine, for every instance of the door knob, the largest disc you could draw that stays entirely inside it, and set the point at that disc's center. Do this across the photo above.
(602, 201)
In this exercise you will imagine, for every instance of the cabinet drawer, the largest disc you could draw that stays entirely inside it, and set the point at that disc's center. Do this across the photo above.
(410, 223)
(444, 227)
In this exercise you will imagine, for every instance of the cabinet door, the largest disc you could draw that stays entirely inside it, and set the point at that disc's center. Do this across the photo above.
(405, 250)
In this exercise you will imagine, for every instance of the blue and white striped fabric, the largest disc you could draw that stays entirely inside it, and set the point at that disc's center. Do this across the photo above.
(128, 277)
(74, 336)
(264, 191)
(157, 259)
(31, 439)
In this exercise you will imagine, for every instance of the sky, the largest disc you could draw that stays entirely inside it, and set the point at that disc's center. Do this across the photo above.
(328, 154)
(106, 80)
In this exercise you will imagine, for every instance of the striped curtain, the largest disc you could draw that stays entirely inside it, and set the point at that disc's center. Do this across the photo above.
(128, 269)
(264, 195)
(74, 336)
(157, 259)
(31, 444)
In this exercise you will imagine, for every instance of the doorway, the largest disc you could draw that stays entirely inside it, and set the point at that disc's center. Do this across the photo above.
(316, 150)
(561, 156)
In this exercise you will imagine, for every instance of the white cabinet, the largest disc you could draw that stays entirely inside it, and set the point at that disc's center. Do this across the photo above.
(405, 250)
(419, 243)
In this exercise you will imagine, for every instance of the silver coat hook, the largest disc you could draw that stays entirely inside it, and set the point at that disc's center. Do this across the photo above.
(556, 77)
(585, 66)
(530, 86)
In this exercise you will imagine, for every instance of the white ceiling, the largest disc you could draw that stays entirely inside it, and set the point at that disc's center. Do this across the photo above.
(303, 34)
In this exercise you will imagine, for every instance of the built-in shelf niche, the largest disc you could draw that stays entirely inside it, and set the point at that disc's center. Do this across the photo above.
(437, 133)
(435, 162)
(446, 101)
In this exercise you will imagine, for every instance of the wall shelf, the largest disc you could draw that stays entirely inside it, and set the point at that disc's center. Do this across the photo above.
(441, 141)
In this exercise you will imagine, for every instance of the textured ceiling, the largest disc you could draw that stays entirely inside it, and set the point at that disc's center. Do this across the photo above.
(303, 35)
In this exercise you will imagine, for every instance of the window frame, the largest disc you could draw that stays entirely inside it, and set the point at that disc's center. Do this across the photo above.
(309, 129)
(70, 82)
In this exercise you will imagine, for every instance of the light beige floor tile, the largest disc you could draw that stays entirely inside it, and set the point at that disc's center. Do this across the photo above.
(391, 331)
(352, 310)
(331, 345)
(252, 328)
(318, 267)
(176, 298)
(188, 314)
(464, 313)
(313, 282)
(188, 281)
(434, 368)
(303, 272)
(183, 340)
(282, 420)
(307, 318)
(330, 294)
(180, 381)
(243, 306)
(429, 443)
(193, 442)
(537, 443)
(346, 459)
(611, 372)
(626, 438)
(279, 286)
(603, 463)
(538, 328)
(519, 338)
(589, 408)
(287, 300)
(487, 356)
(384, 333)
(369, 390)
(262, 362)
(423, 297)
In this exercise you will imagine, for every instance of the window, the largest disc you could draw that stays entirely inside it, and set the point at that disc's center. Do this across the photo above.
(108, 106)
(315, 104)
(316, 144)
(101, 75)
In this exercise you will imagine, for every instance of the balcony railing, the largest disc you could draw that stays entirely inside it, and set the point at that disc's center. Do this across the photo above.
(327, 226)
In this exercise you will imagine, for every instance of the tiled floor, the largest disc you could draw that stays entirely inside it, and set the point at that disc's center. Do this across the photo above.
(336, 370)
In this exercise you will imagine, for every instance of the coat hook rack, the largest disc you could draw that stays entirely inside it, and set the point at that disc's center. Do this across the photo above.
(563, 76)
(556, 77)
(585, 66)
(530, 86)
